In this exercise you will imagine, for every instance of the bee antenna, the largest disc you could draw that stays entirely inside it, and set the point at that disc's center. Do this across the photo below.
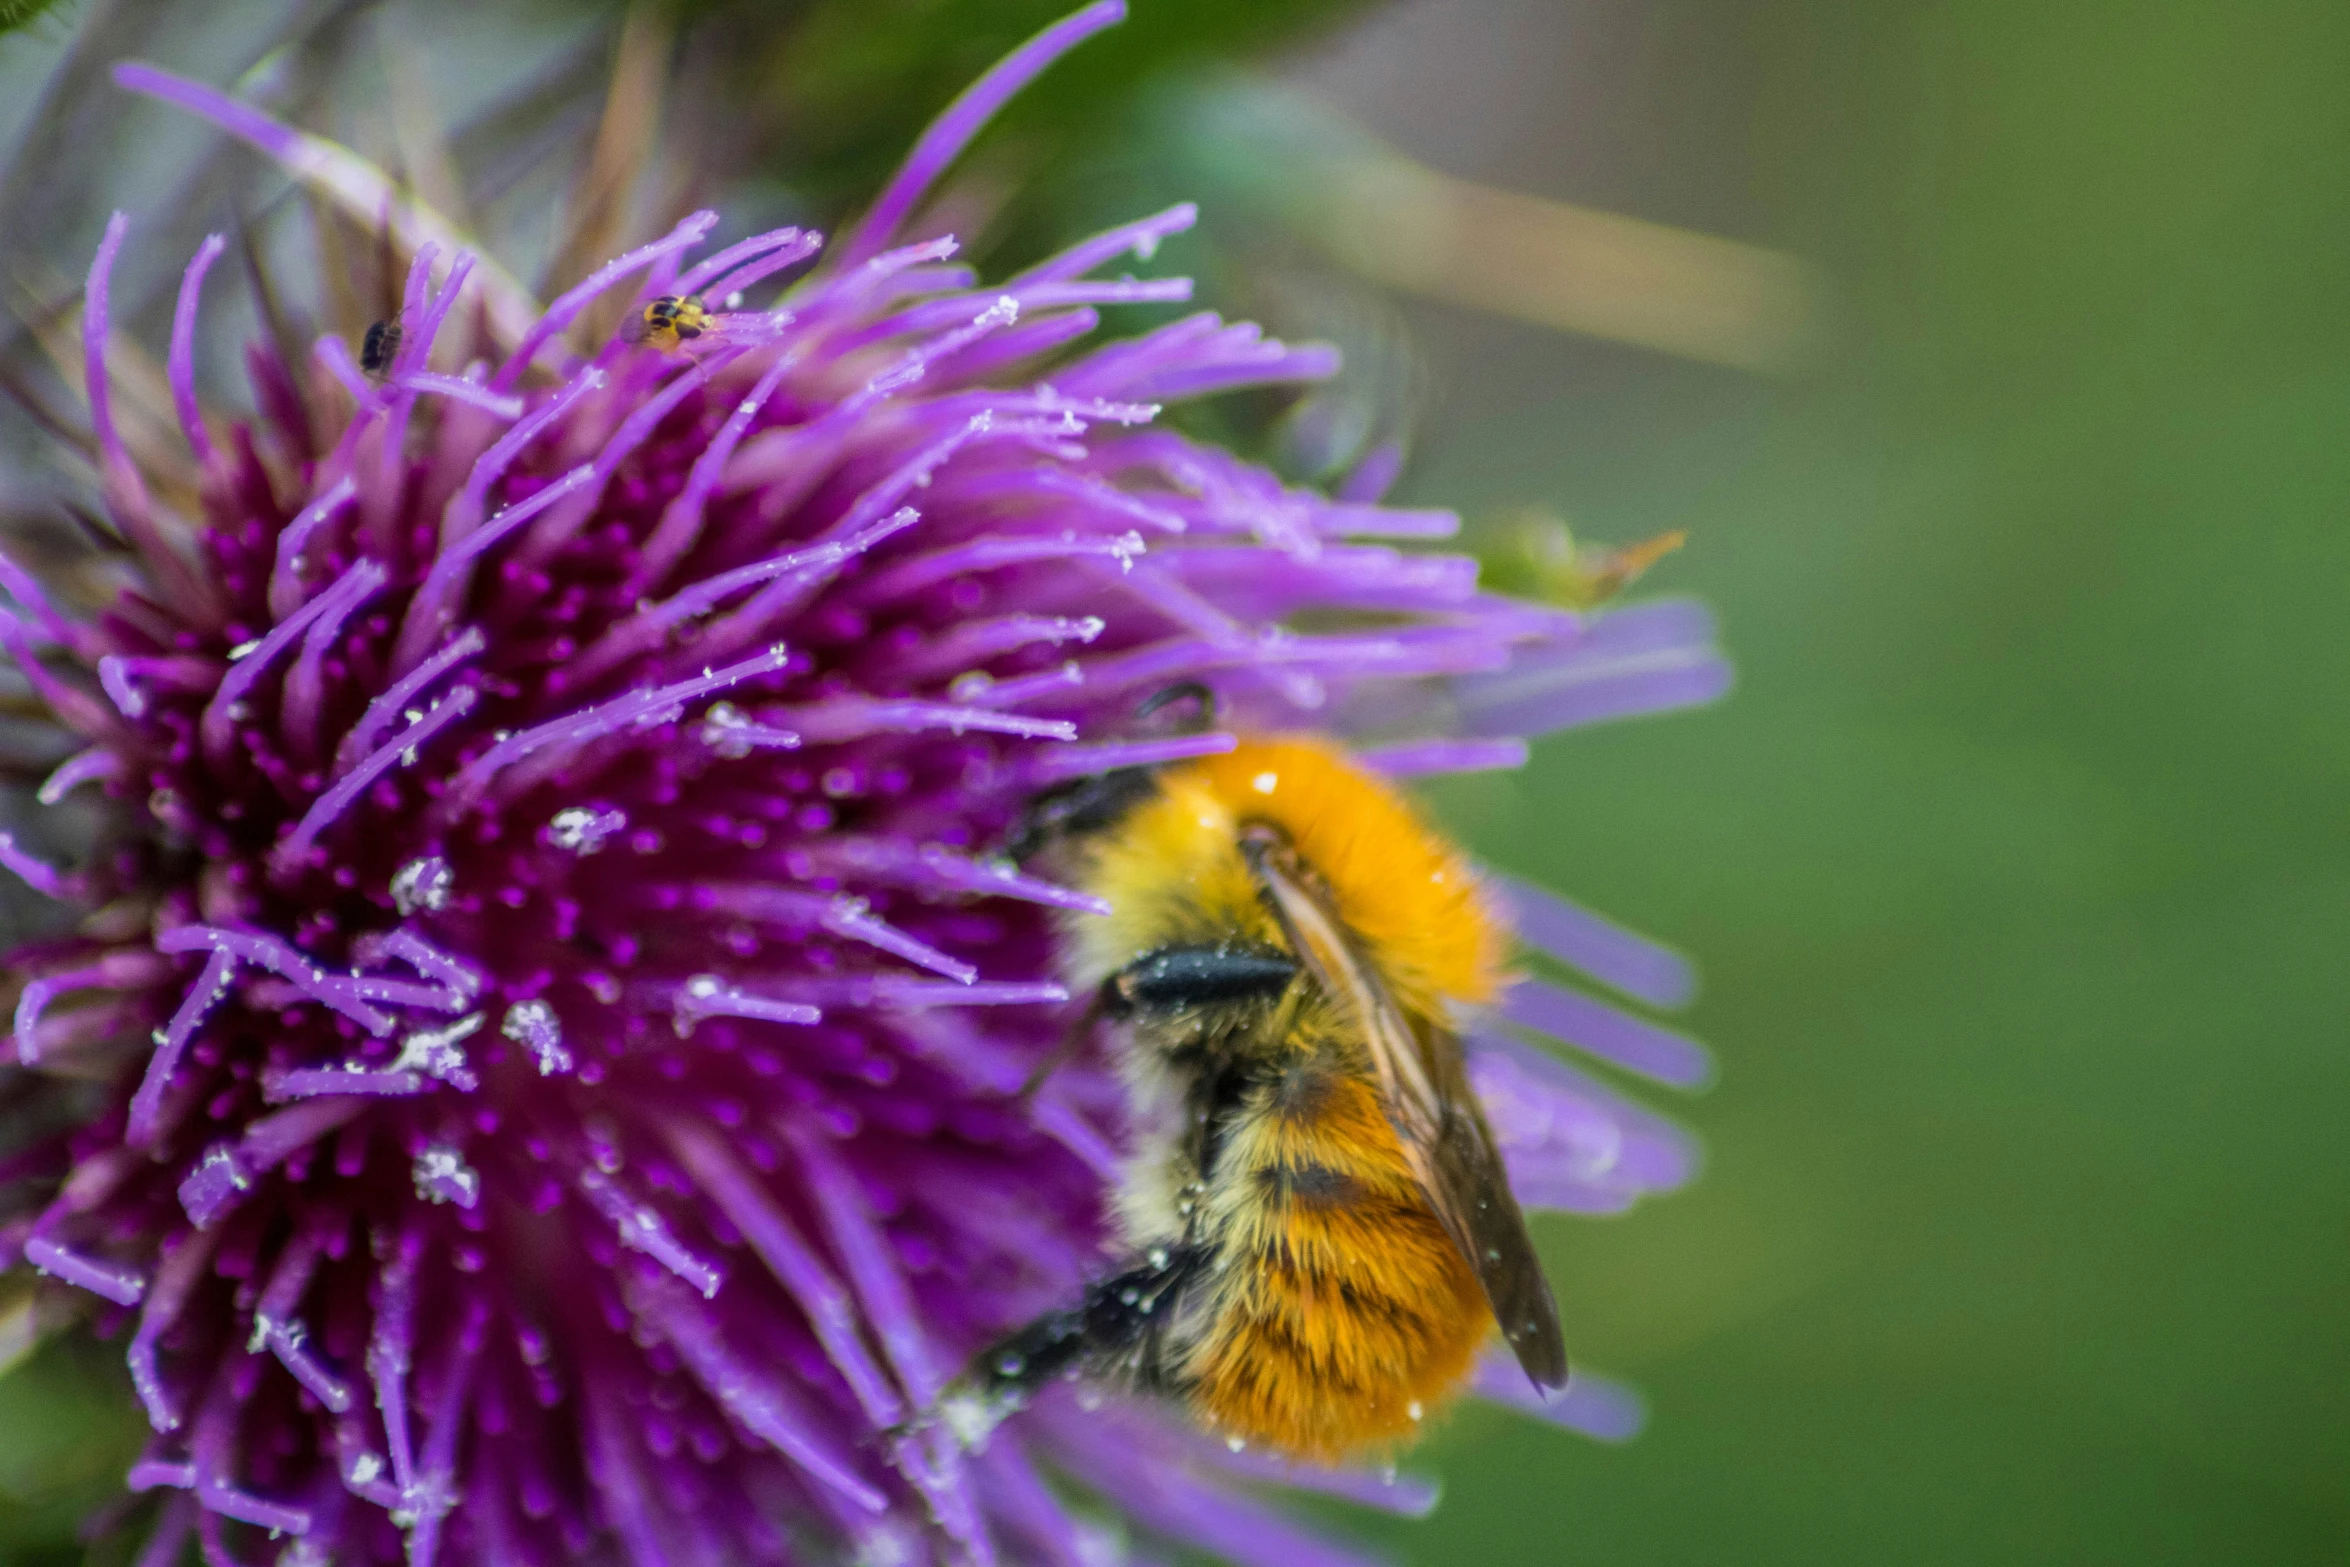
(1183, 690)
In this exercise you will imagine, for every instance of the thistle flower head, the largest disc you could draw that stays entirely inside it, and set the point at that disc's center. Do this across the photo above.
(562, 1009)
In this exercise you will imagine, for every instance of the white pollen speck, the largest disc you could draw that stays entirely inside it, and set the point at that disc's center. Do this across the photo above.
(533, 1025)
(436, 1052)
(583, 830)
(442, 1175)
(422, 884)
(1236, 1443)
(1265, 783)
(242, 649)
(366, 1468)
(970, 1417)
(1413, 1409)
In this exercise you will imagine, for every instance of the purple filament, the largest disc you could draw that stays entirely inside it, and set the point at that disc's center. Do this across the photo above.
(275, 1324)
(646, 628)
(1614, 1037)
(469, 392)
(434, 607)
(594, 723)
(39, 992)
(831, 1311)
(681, 521)
(705, 995)
(172, 1039)
(275, 955)
(798, 244)
(1078, 761)
(332, 352)
(1598, 947)
(952, 131)
(759, 1404)
(180, 368)
(1595, 1406)
(937, 866)
(1420, 757)
(383, 709)
(1140, 239)
(225, 709)
(464, 511)
(36, 874)
(853, 718)
(26, 590)
(843, 916)
(337, 799)
(181, 1271)
(317, 1082)
(125, 493)
(643, 1229)
(107, 1280)
(462, 981)
(388, 1352)
(305, 683)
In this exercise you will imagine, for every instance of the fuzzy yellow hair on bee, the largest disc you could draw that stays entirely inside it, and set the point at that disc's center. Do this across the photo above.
(1321, 1233)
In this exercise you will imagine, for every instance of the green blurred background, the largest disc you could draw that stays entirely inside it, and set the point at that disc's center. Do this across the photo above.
(2017, 864)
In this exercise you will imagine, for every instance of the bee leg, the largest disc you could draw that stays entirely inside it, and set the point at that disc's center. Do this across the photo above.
(1078, 807)
(1171, 980)
(1112, 1320)
(1095, 1010)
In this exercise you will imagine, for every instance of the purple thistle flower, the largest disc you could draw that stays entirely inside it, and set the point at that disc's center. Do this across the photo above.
(562, 1008)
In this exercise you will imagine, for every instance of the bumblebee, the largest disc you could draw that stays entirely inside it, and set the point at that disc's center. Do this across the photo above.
(380, 346)
(1318, 1229)
(667, 322)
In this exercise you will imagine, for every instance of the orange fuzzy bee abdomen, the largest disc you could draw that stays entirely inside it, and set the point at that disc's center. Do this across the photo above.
(1343, 1313)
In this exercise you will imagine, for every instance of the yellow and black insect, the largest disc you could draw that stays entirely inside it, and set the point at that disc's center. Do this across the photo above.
(1320, 1235)
(380, 346)
(667, 322)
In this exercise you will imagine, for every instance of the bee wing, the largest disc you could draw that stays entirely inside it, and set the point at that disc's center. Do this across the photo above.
(1425, 1086)
(634, 328)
